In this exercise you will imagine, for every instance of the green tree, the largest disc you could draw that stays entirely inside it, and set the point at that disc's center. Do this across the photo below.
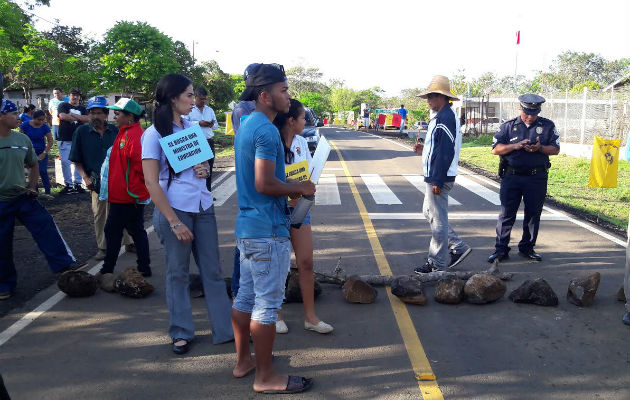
(187, 64)
(302, 79)
(317, 101)
(372, 96)
(220, 85)
(342, 99)
(134, 56)
(591, 85)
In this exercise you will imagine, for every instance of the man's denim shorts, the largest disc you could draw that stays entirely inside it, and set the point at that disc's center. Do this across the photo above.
(265, 264)
(307, 219)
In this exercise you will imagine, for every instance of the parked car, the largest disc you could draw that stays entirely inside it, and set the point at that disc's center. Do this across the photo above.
(421, 125)
(311, 131)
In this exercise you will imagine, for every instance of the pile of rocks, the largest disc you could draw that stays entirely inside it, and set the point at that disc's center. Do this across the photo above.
(129, 283)
(481, 288)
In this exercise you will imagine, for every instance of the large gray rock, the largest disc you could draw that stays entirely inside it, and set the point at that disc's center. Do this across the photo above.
(582, 290)
(77, 284)
(131, 283)
(484, 288)
(409, 290)
(621, 294)
(196, 286)
(107, 282)
(293, 293)
(536, 292)
(357, 291)
(449, 291)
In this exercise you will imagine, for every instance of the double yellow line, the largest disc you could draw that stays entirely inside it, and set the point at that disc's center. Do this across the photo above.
(419, 361)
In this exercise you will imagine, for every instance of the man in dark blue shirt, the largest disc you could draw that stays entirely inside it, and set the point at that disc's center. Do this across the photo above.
(524, 144)
(403, 116)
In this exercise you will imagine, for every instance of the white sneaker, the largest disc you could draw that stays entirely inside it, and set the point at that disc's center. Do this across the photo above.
(320, 327)
(281, 327)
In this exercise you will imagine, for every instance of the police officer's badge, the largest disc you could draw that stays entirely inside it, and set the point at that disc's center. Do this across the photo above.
(539, 130)
(515, 129)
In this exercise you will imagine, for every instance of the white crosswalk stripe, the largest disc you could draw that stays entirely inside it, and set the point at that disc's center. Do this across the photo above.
(381, 193)
(418, 181)
(224, 190)
(462, 216)
(478, 189)
(327, 191)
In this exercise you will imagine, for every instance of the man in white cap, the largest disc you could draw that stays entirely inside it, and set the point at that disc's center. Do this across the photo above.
(439, 162)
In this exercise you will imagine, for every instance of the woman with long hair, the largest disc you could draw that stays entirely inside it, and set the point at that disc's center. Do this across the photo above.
(296, 150)
(184, 219)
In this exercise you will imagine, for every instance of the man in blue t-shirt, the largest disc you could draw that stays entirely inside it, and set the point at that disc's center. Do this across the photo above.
(262, 228)
(403, 117)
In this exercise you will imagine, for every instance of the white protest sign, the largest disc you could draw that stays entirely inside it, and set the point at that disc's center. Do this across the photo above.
(186, 148)
(319, 159)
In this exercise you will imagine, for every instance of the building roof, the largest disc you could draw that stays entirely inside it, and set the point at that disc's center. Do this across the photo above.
(624, 80)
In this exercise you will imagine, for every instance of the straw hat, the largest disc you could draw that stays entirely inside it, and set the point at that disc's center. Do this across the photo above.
(439, 84)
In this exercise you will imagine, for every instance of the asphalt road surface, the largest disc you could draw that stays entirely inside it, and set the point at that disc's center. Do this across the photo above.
(368, 213)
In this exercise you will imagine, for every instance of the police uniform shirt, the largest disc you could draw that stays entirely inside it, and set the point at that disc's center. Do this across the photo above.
(515, 130)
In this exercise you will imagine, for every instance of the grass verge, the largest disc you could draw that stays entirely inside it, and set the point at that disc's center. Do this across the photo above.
(568, 183)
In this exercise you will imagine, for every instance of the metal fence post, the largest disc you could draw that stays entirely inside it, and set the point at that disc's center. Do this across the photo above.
(566, 113)
(610, 119)
(583, 127)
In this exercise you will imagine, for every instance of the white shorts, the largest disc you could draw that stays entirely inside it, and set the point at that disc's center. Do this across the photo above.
(366, 122)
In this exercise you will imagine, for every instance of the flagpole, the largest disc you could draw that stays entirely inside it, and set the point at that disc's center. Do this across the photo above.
(518, 41)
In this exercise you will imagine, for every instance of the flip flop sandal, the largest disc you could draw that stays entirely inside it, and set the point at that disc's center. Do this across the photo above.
(295, 384)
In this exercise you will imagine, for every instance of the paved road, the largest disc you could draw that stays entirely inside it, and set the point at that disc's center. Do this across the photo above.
(110, 347)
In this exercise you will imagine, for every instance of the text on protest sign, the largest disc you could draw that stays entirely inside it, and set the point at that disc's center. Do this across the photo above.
(186, 148)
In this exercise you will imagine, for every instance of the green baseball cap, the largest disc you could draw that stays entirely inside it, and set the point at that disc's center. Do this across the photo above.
(125, 104)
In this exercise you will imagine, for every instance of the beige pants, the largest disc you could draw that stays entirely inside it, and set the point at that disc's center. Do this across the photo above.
(100, 208)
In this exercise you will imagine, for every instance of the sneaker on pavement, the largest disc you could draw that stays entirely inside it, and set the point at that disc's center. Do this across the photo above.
(79, 189)
(626, 318)
(457, 258)
(281, 327)
(130, 248)
(67, 190)
(426, 268)
(6, 294)
(73, 267)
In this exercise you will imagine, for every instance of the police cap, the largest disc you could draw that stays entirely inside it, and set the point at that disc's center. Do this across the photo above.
(530, 103)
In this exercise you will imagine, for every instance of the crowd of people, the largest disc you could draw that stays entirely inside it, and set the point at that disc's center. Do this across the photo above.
(125, 167)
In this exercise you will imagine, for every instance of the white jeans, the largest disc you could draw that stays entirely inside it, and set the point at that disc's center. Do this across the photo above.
(64, 153)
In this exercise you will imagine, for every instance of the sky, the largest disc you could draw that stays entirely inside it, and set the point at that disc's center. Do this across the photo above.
(394, 45)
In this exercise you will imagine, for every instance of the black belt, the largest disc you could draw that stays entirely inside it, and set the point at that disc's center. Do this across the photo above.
(530, 171)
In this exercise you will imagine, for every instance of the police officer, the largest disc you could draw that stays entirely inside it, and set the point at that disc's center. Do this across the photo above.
(524, 145)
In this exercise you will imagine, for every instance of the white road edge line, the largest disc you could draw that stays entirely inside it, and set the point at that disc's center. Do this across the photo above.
(222, 177)
(487, 181)
(26, 320)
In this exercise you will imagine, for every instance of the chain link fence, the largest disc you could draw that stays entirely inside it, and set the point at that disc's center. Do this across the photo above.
(579, 117)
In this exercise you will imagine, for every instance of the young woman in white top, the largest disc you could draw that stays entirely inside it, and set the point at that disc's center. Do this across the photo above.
(296, 150)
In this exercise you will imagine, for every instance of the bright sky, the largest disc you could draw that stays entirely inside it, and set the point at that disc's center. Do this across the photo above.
(392, 44)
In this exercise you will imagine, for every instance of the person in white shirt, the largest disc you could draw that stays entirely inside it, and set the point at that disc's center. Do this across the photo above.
(290, 125)
(53, 104)
(204, 116)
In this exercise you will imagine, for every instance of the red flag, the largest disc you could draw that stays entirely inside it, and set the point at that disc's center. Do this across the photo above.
(518, 37)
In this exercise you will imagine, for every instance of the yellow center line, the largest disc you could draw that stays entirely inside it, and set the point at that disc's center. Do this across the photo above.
(419, 361)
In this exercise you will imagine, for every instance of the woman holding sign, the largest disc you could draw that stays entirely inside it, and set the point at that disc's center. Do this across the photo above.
(297, 160)
(184, 218)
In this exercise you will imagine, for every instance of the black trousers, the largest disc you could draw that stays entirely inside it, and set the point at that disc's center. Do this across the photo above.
(127, 216)
(531, 189)
(211, 163)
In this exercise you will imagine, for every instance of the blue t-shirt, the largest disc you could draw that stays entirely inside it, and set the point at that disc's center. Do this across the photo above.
(403, 113)
(260, 215)
(37, 135)
(25, 117)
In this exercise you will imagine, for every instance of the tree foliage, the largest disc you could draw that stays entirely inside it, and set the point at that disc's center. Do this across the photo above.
(302, 79)
(133, 58)
(317, 101)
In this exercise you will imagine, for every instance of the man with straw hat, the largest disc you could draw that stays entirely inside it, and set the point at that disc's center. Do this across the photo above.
(439, 162)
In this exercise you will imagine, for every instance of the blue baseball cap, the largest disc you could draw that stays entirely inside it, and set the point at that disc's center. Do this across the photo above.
(97, 102)
(7, 106)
